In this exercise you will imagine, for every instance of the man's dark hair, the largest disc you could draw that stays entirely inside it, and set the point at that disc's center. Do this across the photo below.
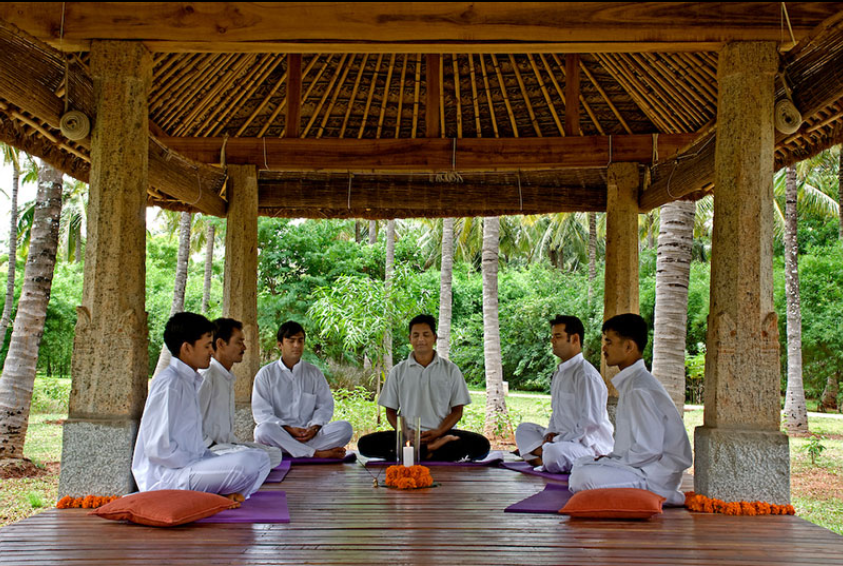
(289, 329)
(224, 328)
(422, 319)
(185, 327)
(573, 325)
(629, 326)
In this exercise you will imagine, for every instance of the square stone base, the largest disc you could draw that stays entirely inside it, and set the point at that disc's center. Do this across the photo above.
(96, 457)
(244, 423)
(742, 465)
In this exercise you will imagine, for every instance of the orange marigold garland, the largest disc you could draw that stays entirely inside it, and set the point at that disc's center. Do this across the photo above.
(703, 504)
(412, 477)
(86, 502)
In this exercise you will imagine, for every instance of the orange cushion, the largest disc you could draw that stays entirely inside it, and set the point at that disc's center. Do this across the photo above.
(164, 508)
(614, 503)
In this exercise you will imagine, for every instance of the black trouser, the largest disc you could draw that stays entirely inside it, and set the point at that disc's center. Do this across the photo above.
(470, 445)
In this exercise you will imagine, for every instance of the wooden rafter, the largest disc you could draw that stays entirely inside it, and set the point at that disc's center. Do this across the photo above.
(432, 95)
(572, 94)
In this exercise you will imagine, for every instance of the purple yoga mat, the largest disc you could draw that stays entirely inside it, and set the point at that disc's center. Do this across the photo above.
(350, 457)
(434, 463)
(261, 507)
(278, 473)
(550, 500)
(526, 468)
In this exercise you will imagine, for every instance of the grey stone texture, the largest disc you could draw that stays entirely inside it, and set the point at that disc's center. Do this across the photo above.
(748, 465)
(97, 457)
(244, 423)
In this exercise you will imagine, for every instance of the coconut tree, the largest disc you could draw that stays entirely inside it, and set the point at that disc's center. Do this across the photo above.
(74, 216)
(388, 277)
(18, 375)
(446, 276)
(495, 400)
(180, 283)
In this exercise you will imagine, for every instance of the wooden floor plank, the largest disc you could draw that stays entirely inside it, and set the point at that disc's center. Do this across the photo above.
(339, 518)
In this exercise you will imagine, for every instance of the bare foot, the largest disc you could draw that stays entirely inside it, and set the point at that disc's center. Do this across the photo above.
(236, 499)
(332, 453)
(535, 462)
(441, 441)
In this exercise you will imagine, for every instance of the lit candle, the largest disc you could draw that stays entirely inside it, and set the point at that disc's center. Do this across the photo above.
(408, 456)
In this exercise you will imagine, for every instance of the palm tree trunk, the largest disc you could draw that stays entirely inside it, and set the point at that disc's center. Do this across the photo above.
(180, 285)
(210, 232)
(840, 192)
(795, 411)
(446, 276)
(592, 252)
(495, 400)
(77, 252)
(673, 272)
(373, 232)
(358, 236)
(388, 275)
(19, 372)
(13, 253)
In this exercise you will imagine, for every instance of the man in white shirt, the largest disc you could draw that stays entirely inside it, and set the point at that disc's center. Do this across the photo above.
(427, 387)
(651, 446)
(293, 406)
(579, 424)
(216, 395)
(170, 452)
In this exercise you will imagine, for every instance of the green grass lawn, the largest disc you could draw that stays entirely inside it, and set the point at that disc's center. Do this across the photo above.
(817, 489)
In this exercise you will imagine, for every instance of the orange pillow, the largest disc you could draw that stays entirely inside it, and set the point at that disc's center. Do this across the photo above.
(614, 503)
(164, 508)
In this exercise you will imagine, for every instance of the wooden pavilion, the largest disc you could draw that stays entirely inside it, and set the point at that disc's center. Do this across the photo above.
(382, 110)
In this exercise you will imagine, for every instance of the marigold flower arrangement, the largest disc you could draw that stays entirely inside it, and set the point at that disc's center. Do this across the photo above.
(86, 502)
(703, 504)
(413, 477)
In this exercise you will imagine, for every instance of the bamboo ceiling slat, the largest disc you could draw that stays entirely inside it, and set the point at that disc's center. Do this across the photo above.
(546, 94)
(487, 90)
(353, 96)
(401, 84)
(689, 101)
(586, 106)
(695, 79)
(266, 99)
(628, 84)
(503, 89)
(327, 115)
(525, 94)
(602, 92)
(329, 89)
(706, 64)
(457, 97)
(257, 78)
(385, 96)
(214, 97)
(163, 87)
(370, 96)
(220, 111)
(441, 71)
(416, 95)
(472, 73)
(649, 90)
(189, 92)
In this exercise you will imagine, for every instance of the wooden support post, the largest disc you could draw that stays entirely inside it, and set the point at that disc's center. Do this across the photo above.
(240, 285)
(621, 288)
(293, 120)
(110, 361)
(433, 88)
(572, 94)
(740, 452)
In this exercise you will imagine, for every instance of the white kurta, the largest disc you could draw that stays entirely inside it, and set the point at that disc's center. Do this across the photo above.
(429, 393)
(650, 442)
(298, 398)
(170, 452)
(579, 418)
(216, 402)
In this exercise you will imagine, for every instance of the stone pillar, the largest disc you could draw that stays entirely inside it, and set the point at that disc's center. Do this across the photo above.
(110, 362)
(740, 452)
(621, 284)
(240, 290)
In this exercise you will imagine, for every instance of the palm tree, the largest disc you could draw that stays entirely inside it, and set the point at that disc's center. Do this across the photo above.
(18, 375)
(592, 252)
(180, 283)
(673, 271)
(74, 215)
(495, 400)
(388, 277)
(446, 276)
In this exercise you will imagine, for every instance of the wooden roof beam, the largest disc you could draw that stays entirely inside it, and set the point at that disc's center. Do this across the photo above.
(816, 82)
(436, 27)
(430, 154)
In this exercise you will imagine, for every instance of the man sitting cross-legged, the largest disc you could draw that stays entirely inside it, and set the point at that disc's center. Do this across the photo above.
(579, 424)
(216, 395)
(651, 446)
(293, 406)
(170, 452)
(431, 388)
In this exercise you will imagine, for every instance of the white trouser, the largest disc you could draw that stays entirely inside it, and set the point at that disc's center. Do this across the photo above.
(335, 434)
(275, 454)
(608, 473)
(239, 472)
(557, 456)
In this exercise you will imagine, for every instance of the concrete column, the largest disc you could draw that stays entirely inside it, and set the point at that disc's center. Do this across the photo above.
(621, 285)
(740, 452)
(110, 361)
(240, 290)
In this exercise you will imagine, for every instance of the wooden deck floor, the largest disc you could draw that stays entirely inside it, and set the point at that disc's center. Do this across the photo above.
(339, 518)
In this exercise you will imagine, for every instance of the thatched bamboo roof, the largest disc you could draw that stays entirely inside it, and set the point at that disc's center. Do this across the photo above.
(384, 96)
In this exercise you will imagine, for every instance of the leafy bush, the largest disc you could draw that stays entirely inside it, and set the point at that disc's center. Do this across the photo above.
(50, 395)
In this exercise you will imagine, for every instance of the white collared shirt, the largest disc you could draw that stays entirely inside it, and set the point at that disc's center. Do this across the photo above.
(578, 401)
(170, 435)
(299, 397)
(650, 434)
(216, 402)
(429, 393)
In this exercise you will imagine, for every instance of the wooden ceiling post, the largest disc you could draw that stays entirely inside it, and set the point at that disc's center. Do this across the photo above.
(572, 94)
(431, 108)
(293, 120)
